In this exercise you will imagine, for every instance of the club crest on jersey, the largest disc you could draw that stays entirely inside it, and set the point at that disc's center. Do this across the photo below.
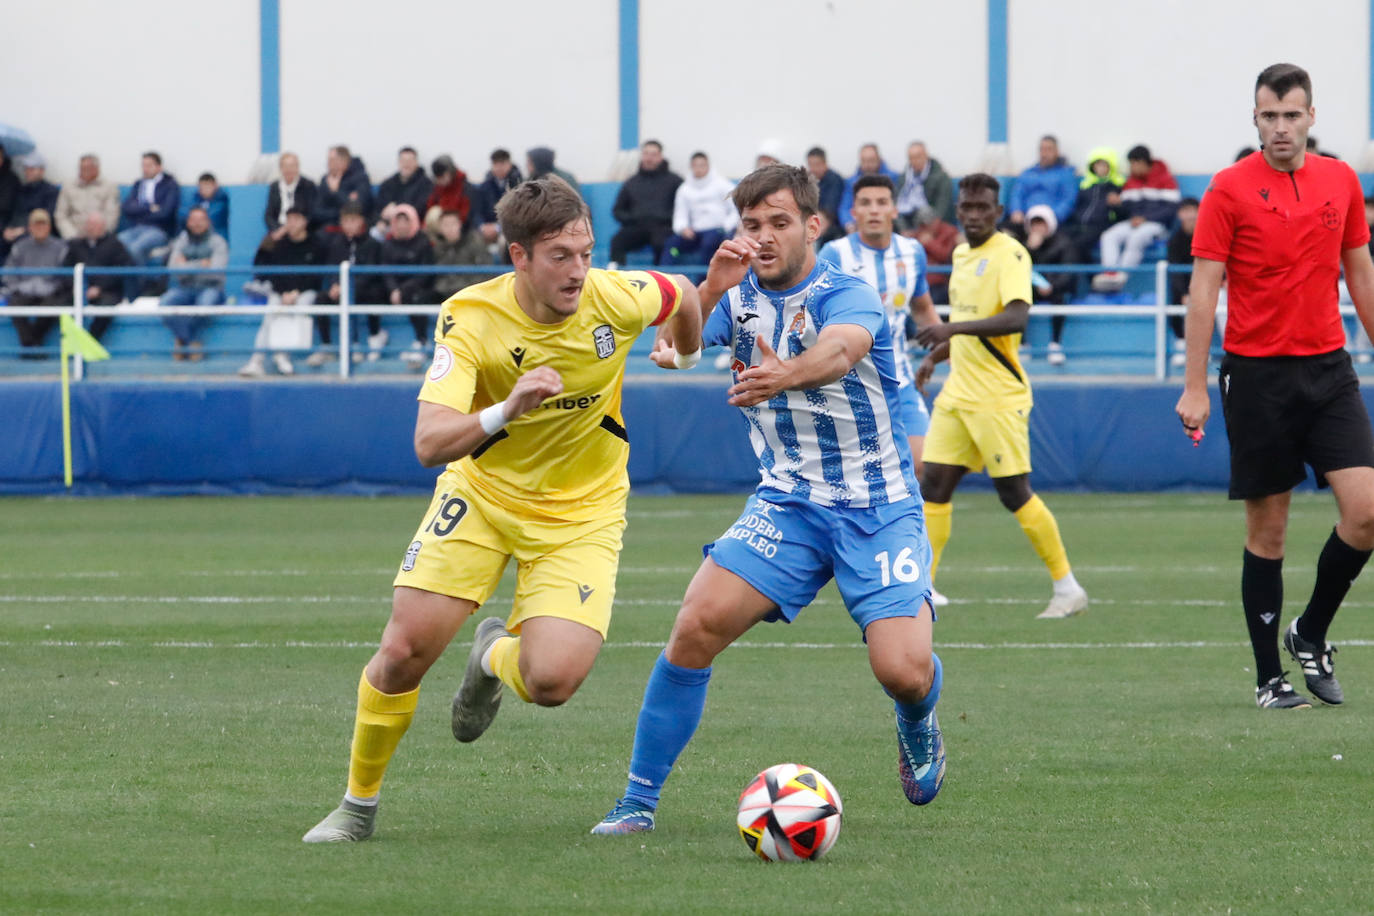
(604, 338)
(798, 323)
(982, 266)
(412, 552)
(1330, 217)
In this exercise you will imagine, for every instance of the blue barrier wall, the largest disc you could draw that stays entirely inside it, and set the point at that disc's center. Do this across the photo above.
(305, 436)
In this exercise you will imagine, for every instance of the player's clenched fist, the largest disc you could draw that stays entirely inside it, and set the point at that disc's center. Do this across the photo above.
(730, 263)
(532, 389)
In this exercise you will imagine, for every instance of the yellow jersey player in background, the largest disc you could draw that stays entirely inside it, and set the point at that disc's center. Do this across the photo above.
(522, 402)
(982, 415)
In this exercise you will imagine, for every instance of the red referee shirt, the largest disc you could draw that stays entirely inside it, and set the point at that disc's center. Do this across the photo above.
(1280, 235)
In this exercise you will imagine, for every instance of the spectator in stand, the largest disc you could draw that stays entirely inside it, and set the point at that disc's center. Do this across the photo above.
(198, 246)
(410, 185)
(870, 163)
(211, 198)
(294, 249)
(644, 206)
(290, 190)
(1099, 200)
(345, 180)
(770, 153)
(939, 238)
(150, 217)
(1181, 252)
(458, 248)
(1048, 246)
(450, 192)
(88, 194)
(501, 177)
(1050, 181)
(38, 248)
(354, 244)
(539, 161)
(832, 189)
(703, 214)
(1150, 200)
(408, 247)
(36, 193)
(97, 247)
(9, 196)
(924, 183)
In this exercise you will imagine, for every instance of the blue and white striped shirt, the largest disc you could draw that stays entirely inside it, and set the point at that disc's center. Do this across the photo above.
(897, 272)
(842, 444)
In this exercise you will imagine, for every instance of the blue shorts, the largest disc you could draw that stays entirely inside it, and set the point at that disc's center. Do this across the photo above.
(915, 413)
(789, 548)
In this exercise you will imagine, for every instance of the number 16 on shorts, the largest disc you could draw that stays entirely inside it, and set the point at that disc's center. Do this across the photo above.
(902, 568)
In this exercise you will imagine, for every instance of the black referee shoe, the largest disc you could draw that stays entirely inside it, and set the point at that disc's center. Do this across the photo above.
(1277, 693)
(1316, 666)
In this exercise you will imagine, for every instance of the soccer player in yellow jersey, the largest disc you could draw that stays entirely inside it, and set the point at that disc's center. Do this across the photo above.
(982, 415)
(522, 402)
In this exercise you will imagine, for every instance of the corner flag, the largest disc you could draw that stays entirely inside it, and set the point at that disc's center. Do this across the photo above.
(77, 341)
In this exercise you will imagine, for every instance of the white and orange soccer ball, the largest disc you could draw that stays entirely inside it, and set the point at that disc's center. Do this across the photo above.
(789, 813)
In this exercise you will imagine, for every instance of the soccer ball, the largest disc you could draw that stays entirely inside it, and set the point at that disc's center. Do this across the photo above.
(789, 813)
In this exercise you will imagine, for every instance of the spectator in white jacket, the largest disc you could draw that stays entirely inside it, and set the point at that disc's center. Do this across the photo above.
(703, 215)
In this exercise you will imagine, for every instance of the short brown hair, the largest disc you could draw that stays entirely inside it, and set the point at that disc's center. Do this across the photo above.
(533, 210)
(1283, 79)
(770, 179)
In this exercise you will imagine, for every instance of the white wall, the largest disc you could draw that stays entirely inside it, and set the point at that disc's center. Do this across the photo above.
(1179, 75)
(116, 79)
(722, 75)
(730, 74)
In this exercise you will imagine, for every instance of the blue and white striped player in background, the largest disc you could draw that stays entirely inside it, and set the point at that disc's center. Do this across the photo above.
(815, 376)
(895, 266)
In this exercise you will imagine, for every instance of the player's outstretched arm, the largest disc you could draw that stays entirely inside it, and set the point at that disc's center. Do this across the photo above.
(678, 345)
(1359, 279)
(1011, 320)
(728, 268)
(1194, 407)
(838, 347)
(927, 365)
(443, 434)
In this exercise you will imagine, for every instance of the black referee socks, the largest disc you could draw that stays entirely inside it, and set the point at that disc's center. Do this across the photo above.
(1337, 568)
(1261, 595)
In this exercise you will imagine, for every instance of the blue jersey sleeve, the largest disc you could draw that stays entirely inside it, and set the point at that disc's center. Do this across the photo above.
(829, 254)
(717, 329)
(922, 284)
(853, 302)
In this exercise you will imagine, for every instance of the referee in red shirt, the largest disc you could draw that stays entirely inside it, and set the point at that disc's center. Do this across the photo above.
(1281, 224)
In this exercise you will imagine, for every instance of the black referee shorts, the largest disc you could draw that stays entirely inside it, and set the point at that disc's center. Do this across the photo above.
(1286, 411)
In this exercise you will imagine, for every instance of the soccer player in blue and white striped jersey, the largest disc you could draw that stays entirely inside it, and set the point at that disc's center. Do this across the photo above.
(814, 375)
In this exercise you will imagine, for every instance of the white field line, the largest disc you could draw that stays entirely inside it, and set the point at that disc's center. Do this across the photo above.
(378, 572)
(743, 644)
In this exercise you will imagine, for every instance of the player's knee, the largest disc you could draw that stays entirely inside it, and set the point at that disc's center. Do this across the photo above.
(910, 682)
(399, 664)
(1013, 496)
(693, 643)
(551, 688)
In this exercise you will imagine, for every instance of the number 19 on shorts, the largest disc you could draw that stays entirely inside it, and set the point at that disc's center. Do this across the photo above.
(903, 568)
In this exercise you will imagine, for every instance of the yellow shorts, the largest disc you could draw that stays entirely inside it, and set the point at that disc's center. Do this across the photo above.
(997, 439)
(564, 570)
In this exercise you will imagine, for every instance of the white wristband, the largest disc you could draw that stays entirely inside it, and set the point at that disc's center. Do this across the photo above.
(686, 360)
(493, 418)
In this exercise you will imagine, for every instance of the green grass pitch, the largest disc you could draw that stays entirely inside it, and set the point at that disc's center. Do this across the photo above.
(178, 679)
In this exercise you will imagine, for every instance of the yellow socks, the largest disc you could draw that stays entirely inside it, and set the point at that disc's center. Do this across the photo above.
(505, 664)
(939, 521)
(382, 719)
(1043, 531)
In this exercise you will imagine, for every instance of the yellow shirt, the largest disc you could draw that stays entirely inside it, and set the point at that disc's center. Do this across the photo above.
(564, 460)
(985, 372)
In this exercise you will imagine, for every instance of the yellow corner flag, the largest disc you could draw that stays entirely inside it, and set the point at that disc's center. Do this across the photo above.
(76, 340)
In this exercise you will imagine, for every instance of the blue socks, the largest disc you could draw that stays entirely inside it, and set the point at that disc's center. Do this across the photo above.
(673, 701)
(913, 713)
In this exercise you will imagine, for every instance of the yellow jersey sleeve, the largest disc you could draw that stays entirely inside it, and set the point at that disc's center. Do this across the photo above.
(1014, 275)
(452, 376)
(656, 296)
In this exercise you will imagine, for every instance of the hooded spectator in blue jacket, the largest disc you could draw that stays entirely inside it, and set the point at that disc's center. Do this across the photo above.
(1051, 181)
(211, 198)
(870, 163)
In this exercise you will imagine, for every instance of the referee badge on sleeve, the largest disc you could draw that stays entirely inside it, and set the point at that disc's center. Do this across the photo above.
(443, 362)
